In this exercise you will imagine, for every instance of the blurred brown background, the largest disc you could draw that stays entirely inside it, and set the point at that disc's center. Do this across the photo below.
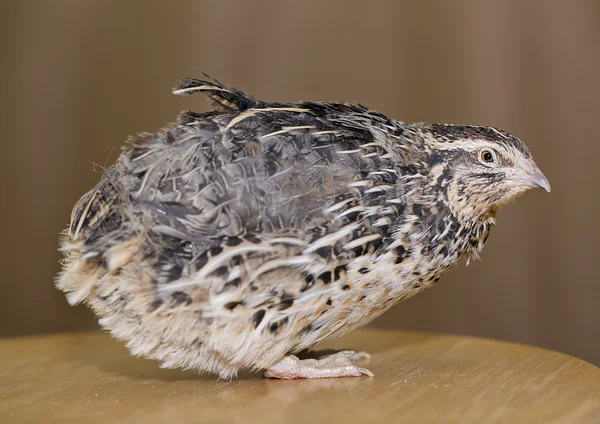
(77, 77)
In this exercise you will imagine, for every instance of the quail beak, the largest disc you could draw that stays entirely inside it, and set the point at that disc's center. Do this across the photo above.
(529, 175)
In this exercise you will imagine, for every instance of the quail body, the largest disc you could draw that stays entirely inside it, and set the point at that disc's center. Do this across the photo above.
(239, 237)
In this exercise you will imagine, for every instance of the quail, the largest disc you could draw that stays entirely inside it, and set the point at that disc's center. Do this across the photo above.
(236, 238)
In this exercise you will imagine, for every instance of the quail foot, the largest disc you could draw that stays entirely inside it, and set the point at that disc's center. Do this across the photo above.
(236, 238)
(341, 364)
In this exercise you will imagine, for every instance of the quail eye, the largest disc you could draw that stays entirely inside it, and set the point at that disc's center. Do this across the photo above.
(487, 157)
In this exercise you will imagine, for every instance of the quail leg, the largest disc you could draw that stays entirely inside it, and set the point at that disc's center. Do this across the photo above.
(341, 364)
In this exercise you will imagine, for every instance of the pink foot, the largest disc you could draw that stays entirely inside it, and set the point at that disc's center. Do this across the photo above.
(341, 364)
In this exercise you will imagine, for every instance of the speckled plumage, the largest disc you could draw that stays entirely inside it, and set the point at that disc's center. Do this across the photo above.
(260, 229)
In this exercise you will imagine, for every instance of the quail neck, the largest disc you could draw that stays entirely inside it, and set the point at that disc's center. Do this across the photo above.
(237, 237)
(465, 175)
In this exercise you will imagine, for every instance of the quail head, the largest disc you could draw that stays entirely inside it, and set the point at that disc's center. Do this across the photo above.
(239, 237)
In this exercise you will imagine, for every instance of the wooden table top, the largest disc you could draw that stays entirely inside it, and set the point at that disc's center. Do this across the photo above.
(419, 378)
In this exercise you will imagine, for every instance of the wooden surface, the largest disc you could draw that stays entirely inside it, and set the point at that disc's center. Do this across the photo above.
(419, 378)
